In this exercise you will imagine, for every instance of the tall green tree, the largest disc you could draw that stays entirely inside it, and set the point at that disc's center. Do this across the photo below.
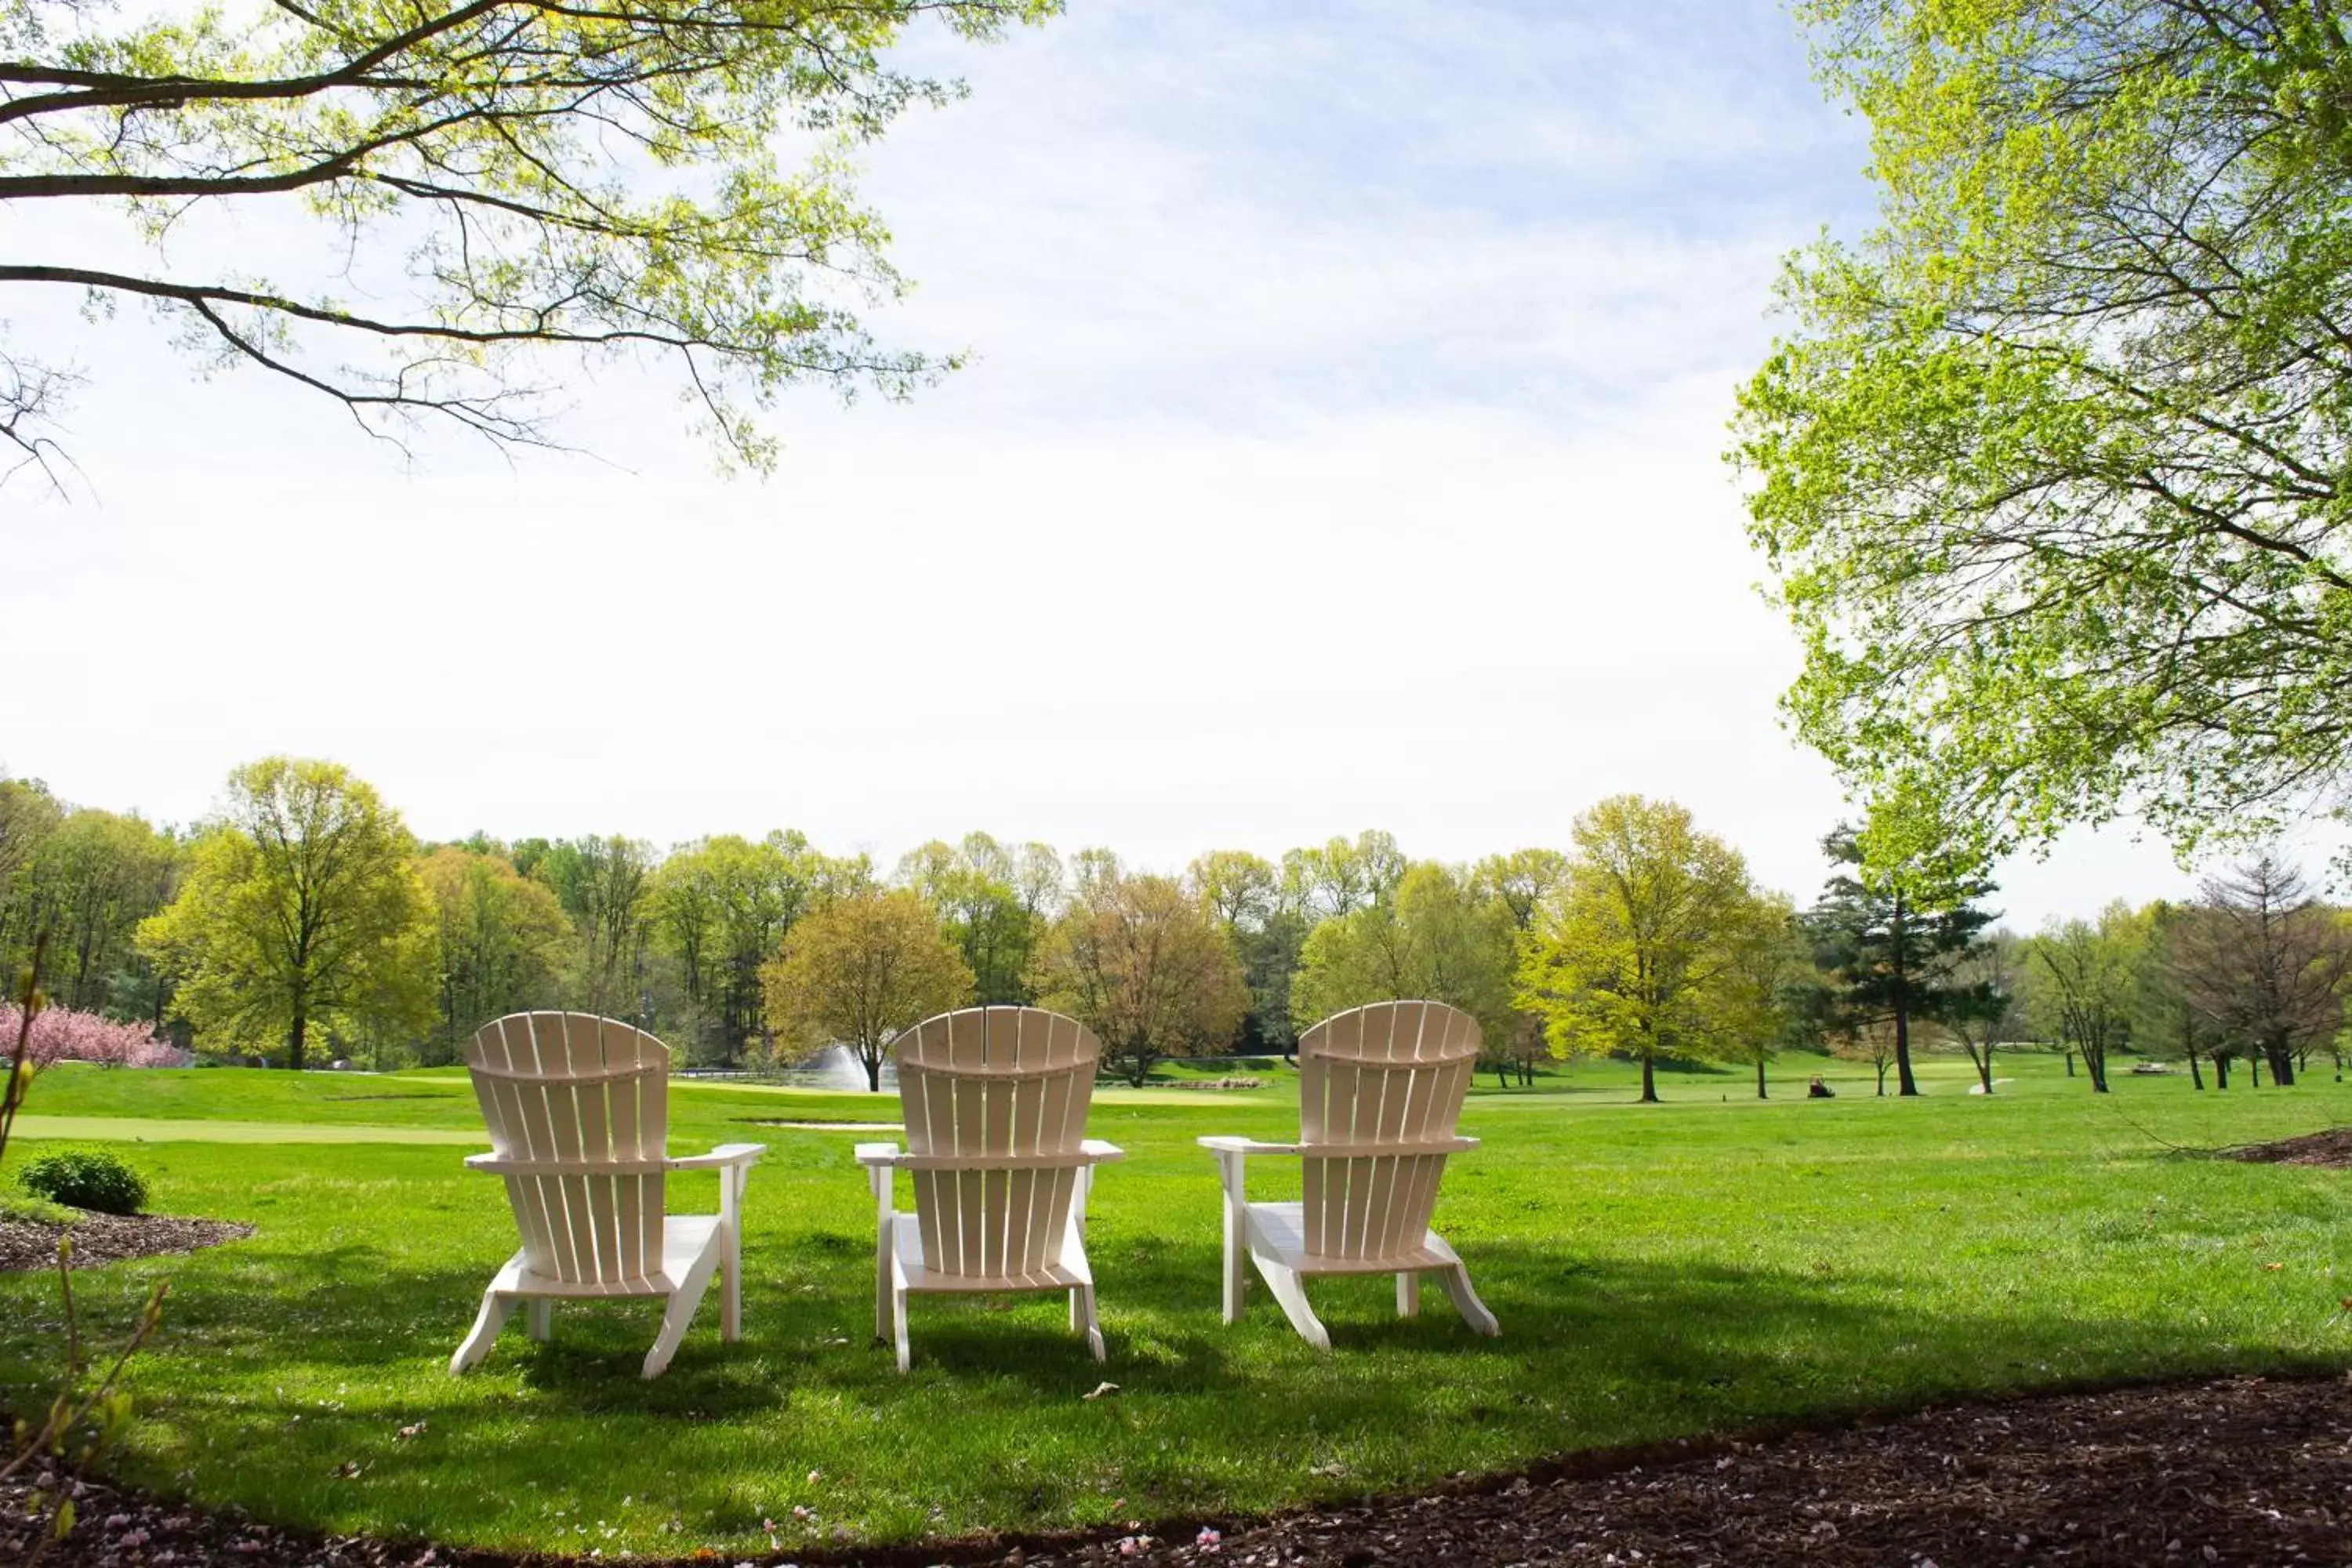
(992, 901)
(605, 886)
(1754, 1008)
(501, 941)
(91, 882)
(1632, 958)
(1248, 898)
(721, 906)
(518, 178)
(1341, 876)
(301, 912)
(28, 815)
(1436, 940)
(1888, 941)
(2052, 469)
(2090, 968)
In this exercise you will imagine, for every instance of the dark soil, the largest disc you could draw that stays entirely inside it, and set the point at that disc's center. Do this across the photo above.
(109, 1238)
(2333, 1147)
(2240, 1472)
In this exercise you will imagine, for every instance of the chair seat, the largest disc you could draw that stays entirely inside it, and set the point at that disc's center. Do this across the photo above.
(1282, 1229)
(685, 1238)
(1056, 1276)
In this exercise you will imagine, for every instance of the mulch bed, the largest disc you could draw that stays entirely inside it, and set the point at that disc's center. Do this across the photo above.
(110, 1238)
(2238, 1471)
(2333, 1147)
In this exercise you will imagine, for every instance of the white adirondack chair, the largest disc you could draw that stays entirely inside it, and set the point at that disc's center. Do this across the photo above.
(995, 1101)
(1380, 1090)
(578, 1108)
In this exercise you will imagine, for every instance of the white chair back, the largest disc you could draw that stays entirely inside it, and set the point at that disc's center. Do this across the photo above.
(581, 1104)
(1006, 1089)
(1378, 1080)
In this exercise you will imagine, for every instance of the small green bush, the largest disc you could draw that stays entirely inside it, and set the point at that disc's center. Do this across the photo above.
(85, 1179)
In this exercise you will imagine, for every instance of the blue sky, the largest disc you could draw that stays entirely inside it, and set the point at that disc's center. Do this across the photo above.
(1342, 450)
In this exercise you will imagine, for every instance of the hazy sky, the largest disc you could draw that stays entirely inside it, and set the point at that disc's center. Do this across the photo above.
(1343, 450)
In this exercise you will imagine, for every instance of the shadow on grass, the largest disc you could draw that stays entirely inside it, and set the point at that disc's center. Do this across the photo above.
(278, 1373)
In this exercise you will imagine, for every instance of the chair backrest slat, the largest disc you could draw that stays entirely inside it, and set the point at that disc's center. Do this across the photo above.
(1392, 1074)
(579, 1090)
(996, 1081)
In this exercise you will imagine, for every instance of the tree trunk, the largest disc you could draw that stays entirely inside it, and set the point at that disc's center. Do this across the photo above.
(872, 1062)
(1882, 1078)
(2282, 1064)
(2254, 1065)
(2069, 1061)
(1984, 1067)
(1649, 1083)
(1904, 1084)
(1502, 1075)
(2220, 1072)
(2196, 1078)
(294, 1038)
(1759, 1078)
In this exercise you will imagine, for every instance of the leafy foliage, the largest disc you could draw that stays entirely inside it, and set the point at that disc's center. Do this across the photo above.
(599, 178)
(85, 1179)
(1137, 961)
(2052, 469)
(861, 970)
(1889, 945)
(1636, 957)
(2091, 968)
(1436, 940)
(302, 910)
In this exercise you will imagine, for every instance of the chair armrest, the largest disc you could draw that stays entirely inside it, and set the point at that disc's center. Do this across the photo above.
(478, 1162)
(1248, 1146)
(1098, 1152)
(879, 1154)
(1338, 1151)
(724, 1155)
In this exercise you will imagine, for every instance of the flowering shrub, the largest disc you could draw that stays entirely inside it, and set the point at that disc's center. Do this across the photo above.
(62, 1034)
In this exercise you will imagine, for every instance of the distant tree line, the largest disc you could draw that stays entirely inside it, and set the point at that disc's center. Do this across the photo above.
(304, 922)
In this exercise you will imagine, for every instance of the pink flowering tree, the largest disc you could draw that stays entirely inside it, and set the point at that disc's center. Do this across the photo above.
(62, 1034)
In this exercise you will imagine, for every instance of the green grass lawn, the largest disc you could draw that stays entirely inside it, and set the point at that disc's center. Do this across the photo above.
(1658, 1271)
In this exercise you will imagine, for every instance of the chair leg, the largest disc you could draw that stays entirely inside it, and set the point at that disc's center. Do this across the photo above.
(1288, 1290)
(1236, 1260)
(1456, 1281)
(678, 1312)
(1082, 1315)
(884, 1254)
(496, 1310)
(539, 1316)
(730, 1289)
(898, 1323)
(1408, 1295)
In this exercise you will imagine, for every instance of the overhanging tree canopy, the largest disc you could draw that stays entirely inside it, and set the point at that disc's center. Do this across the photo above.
(2053, 470)
(598, 175)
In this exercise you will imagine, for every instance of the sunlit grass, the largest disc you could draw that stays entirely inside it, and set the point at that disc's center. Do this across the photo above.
(1657, 1270)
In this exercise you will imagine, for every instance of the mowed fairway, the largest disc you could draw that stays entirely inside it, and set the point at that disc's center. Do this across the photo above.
(1658, 1271)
